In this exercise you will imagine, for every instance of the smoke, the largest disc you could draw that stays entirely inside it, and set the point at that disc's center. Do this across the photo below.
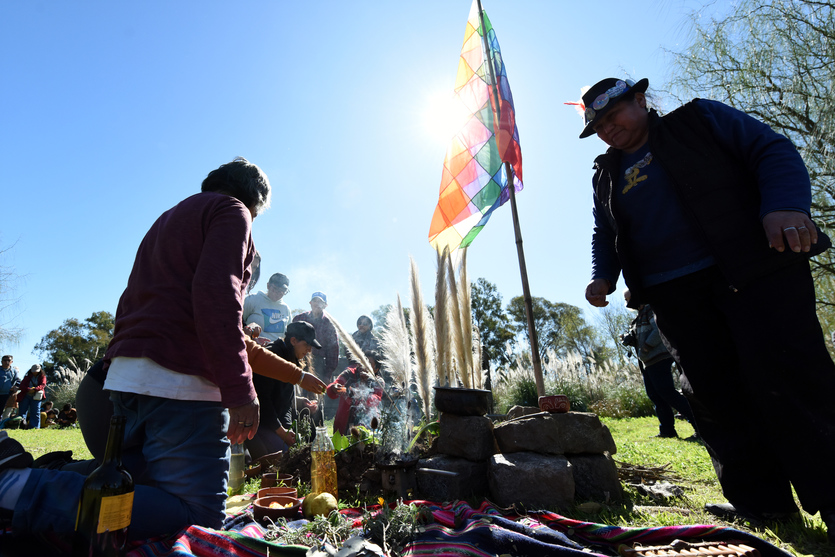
(397, 428)
(366, 405)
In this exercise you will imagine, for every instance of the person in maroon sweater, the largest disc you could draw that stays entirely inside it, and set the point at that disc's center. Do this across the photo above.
(177, 368)
(359, 392)
(326, 359)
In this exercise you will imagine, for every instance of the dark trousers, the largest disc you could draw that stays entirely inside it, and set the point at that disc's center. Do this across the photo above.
(760, 382)
(661, 390)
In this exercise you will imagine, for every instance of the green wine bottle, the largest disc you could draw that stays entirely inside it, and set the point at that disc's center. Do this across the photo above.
(104, 511)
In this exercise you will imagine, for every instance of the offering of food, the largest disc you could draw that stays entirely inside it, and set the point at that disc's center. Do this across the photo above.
(276, 506)
(319, 504)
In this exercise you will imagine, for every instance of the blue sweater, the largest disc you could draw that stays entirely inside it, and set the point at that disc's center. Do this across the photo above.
(676, 247)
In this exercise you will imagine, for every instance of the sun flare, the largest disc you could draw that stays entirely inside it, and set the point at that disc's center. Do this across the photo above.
(443, 116)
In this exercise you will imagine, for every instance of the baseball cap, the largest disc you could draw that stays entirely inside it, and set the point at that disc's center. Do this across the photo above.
(303, 330)
(320, 295)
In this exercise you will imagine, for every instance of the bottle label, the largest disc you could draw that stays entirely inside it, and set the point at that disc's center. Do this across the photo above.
(115, 513)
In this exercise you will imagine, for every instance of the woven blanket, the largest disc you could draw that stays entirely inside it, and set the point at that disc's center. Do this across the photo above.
(458, 529)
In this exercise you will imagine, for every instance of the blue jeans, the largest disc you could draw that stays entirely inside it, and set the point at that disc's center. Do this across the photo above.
(179, 458)
(32, 409)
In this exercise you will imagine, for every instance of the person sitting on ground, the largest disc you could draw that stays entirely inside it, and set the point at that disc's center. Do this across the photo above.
(51, 418)
(46, 408)
(12, 422)
(359, 393)
(67, 416)
(11, 405)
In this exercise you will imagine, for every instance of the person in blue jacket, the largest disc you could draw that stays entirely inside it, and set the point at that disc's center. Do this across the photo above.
(705, 212)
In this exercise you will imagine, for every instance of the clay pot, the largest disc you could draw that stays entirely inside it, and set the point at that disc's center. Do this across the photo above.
(463, 402)
(273, 491)
(261, 508)
(252, 471)
(269, 460)
(285, 480)
(556, 404)
(268, 479)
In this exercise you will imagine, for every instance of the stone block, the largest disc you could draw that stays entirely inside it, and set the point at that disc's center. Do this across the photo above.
(595, 477)
(470, 480)
(570, 433)
(469, 437)
(521, 411)
(532, 480)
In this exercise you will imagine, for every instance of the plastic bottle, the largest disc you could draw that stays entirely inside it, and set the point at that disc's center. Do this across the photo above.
(106, 505)
(236, 470)
(322, 464)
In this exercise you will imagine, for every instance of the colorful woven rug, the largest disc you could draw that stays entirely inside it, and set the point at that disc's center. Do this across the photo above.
(458, 529)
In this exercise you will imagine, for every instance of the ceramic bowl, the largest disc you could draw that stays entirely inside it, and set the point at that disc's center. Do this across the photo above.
(285, 480)
(556, 404)
(261, 508)
(269, 460)
(271, 491)
(252, 471)
(268, 479)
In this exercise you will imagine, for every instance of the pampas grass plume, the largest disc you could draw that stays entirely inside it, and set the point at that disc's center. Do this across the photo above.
(422, 340)
(443, 359)
(395, 344)
(456, 332)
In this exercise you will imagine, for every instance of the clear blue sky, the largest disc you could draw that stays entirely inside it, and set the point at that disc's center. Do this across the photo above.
(115, 111)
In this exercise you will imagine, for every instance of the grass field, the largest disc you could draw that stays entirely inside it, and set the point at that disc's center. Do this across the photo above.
(683, 463)
(693, 471)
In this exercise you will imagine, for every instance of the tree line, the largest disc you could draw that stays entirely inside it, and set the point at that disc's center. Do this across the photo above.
(561, 329)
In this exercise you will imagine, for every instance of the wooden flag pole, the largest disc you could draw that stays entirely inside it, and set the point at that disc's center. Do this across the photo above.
(526, 291)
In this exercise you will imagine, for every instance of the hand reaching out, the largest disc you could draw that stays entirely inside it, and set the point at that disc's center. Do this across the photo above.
(312, 383)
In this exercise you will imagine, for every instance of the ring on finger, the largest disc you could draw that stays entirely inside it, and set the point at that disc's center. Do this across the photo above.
(802, 228)
(789, 228)
(248, 425)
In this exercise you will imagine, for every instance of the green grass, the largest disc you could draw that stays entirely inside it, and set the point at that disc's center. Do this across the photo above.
(636, 445)
(41, 441)
(693, 469)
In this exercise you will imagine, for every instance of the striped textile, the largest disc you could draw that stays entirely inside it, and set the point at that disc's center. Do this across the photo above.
(460, 530)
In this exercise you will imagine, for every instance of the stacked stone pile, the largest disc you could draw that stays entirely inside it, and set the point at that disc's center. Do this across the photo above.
(534, 459)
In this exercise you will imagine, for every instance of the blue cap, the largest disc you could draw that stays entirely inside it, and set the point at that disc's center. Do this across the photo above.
(320, 295)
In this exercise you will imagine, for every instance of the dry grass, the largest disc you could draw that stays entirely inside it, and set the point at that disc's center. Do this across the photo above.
(605, 389)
